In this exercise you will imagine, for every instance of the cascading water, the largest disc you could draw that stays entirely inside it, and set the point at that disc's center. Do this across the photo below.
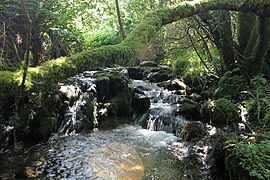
(125, 152)
(161, 115)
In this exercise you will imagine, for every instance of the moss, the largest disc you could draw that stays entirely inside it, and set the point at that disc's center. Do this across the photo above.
(112, 88)
(131, 48)
(47, 126)
(61, 68)
(193, 130)
(220, 112)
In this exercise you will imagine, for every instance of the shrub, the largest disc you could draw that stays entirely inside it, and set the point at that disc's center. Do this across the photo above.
(220, 112)
(255, 158)
(230, 85)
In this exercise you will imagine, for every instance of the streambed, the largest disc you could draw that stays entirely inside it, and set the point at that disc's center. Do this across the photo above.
(118, 149)
(126, 152)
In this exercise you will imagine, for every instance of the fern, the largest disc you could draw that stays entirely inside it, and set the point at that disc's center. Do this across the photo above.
(258, 99)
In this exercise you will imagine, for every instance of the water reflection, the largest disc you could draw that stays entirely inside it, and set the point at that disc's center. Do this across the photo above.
(126, 152)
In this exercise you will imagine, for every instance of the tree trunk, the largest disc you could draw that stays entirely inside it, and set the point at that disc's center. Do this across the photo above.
(258, 64)
(246, 24)
(136, 42)
(122, 31)
(219, 24)
(28, 41)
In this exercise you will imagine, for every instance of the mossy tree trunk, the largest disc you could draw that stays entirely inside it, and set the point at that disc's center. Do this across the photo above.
(136, 42)
(254, 41)
(219, 24)
(258, 63)
(246, 24)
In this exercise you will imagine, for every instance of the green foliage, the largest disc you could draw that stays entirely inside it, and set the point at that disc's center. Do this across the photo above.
(255, 158)
(230, 85)
(257, 99)
(220, 112)
(185, 63)
(101, 38)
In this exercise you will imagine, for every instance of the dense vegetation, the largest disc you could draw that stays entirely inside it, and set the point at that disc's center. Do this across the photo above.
(220, 46)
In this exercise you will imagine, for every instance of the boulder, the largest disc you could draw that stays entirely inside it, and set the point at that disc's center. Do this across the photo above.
(190, 109)
(135, 73)
(193, 130)
(176, 84)
(103, 88)
(69, 93)
(158, 77)
(140, 103)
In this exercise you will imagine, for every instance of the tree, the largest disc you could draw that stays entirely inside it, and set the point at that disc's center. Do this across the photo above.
(136, 42)
(122, 31)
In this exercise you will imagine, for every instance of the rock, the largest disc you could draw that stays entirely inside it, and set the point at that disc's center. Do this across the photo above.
(139, 90)
(103, 88)
(155, 69)
(46, 126)
(148, 64)
(197, 89)
(176, 84)
(196, 97)
(158, 77)
(189, 109)
(164, 67)
(140, 103)
(135, 73)
(193, 130)
(69, 93)
(220, 112)
(112, 87)
(88, 112)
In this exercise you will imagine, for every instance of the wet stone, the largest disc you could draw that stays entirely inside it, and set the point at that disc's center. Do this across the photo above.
(148, 64)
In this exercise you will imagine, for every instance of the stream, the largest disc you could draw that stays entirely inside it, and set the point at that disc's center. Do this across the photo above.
(117, 149)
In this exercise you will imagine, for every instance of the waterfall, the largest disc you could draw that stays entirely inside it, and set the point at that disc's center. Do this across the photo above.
(161, 116)
(82, 113)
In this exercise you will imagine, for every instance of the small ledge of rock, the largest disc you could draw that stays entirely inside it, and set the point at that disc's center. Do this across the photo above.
(148, 64)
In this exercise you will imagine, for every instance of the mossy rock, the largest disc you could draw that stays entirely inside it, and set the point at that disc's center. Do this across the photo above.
(218, 155)
(220, 112)
(190, 109)
(47, 126)
(235, 170)
(193, 130)
(112, 87)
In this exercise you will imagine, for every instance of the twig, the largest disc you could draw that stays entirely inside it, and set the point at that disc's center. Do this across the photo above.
(16, 50)
(196, 50)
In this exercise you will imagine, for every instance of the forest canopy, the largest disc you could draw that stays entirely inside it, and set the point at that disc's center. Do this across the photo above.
(64, 28)
(218, 48)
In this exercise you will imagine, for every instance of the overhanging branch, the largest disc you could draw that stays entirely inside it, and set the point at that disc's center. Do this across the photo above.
(133, 46)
